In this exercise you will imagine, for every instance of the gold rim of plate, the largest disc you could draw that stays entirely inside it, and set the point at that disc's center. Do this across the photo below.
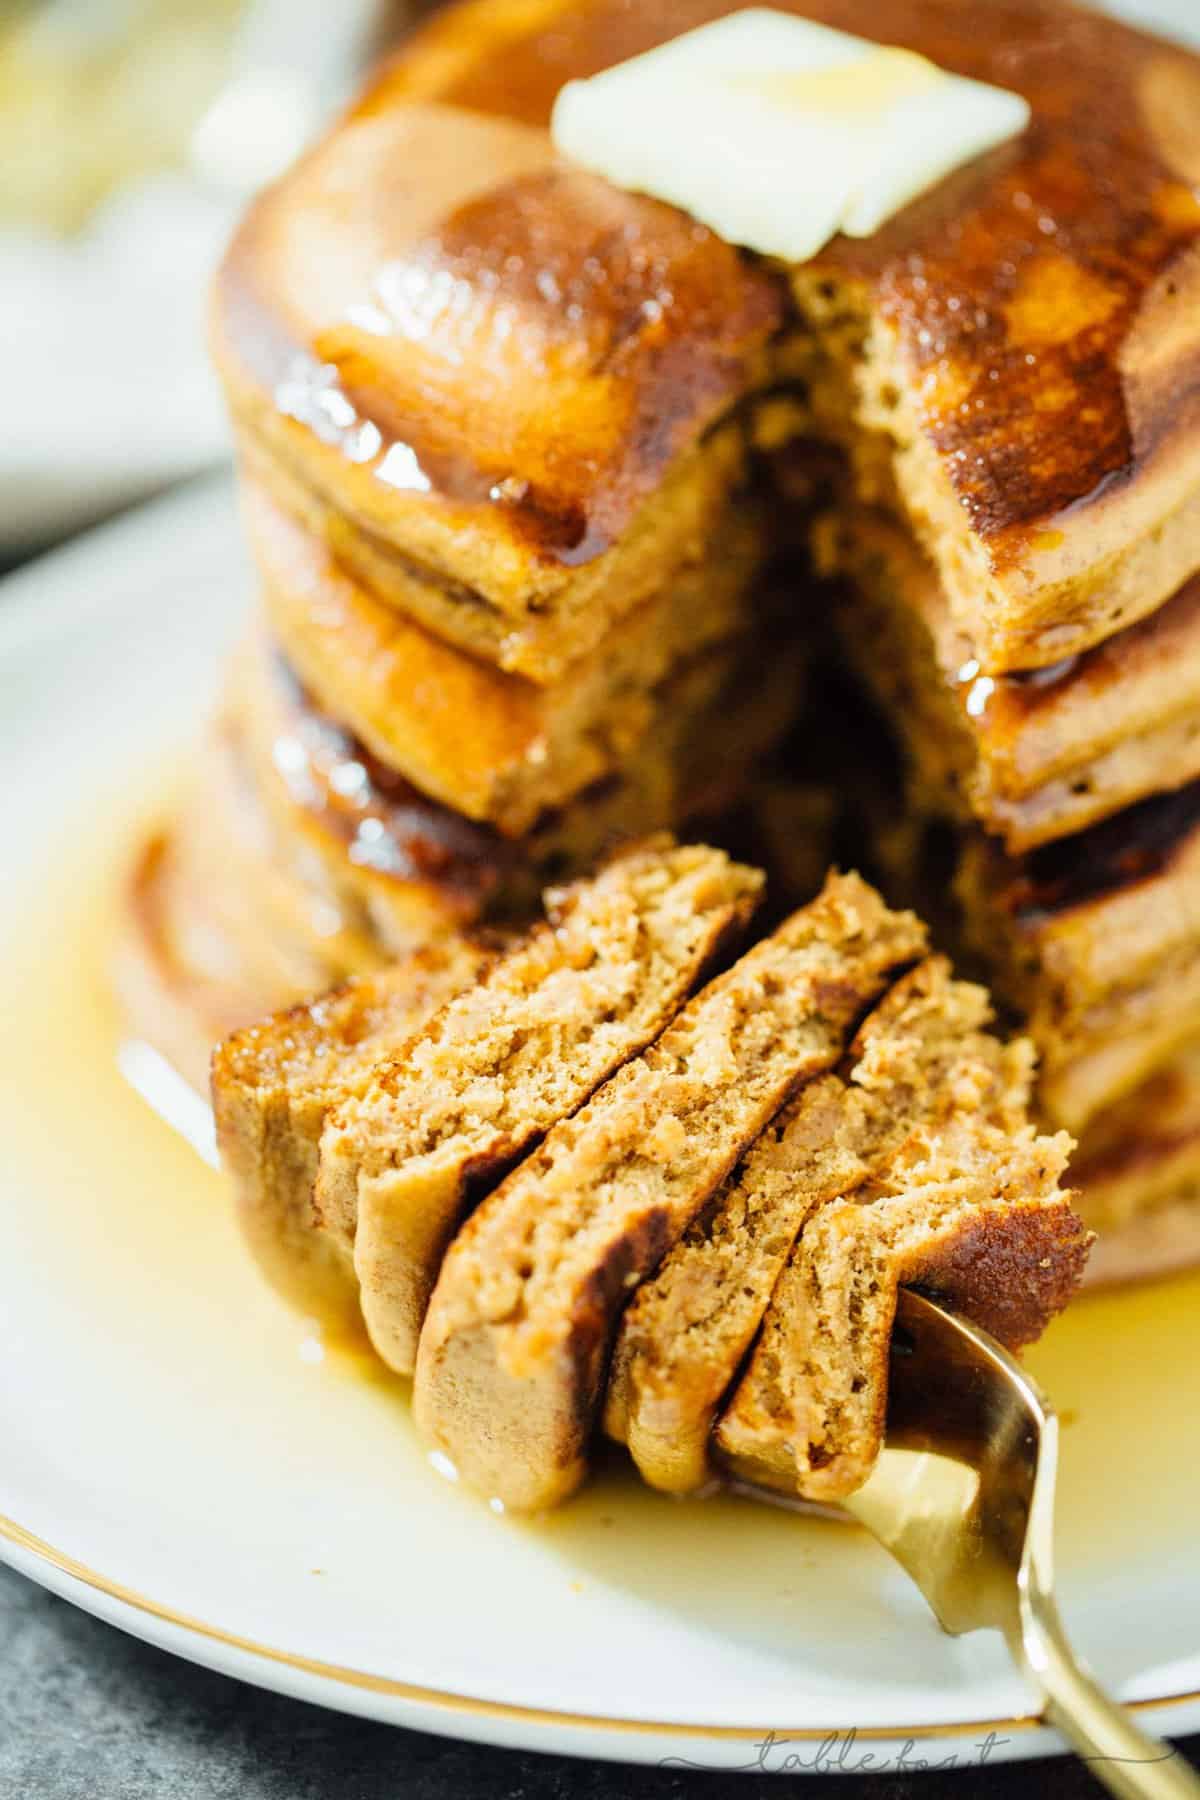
(496, 1709)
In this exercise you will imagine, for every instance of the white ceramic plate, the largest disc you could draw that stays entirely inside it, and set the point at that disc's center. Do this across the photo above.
(184, 1458)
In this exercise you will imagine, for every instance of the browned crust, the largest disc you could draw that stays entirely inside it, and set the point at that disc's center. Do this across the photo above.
(1009, 1268)
(1053, 723)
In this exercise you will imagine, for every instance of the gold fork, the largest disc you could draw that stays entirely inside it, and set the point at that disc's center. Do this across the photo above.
(963, 1497)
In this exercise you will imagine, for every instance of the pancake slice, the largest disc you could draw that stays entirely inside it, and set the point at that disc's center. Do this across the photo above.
(968, 1209)
(503, 1062)
(1097, 940)
(166, 1002)
(1161, 1241)
(1033, 756)
(493, 746)
(273, 1086)
(686, 1332)
(409, 869)
(1137, 1171)
(513, 1350)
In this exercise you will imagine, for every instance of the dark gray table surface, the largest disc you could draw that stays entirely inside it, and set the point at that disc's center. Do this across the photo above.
(87, 1713)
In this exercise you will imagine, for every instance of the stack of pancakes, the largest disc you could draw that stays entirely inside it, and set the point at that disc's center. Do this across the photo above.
(519, 448)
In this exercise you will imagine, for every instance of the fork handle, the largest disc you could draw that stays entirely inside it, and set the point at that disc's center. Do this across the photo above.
(1129, 1762)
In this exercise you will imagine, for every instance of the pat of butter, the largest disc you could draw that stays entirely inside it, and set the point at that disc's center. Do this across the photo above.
(778, 133)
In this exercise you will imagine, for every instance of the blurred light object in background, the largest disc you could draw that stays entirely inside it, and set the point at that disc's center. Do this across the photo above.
(131, 132)
(293, 60)
(96, 93)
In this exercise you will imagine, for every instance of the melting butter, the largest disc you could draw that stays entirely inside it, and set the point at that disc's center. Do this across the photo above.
(864, 85)
(778, 133)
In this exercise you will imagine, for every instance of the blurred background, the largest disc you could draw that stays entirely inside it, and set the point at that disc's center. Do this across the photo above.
(131, 133)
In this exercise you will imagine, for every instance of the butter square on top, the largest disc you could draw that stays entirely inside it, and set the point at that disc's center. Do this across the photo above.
(778, 133)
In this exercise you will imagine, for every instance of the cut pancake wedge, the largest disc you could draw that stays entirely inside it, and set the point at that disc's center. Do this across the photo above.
(273, 1086)
(686, 1333)
(513, 1351)
(970, 1210)
(568, 1004)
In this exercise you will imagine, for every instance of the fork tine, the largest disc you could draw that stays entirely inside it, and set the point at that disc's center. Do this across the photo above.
(963, 1497)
